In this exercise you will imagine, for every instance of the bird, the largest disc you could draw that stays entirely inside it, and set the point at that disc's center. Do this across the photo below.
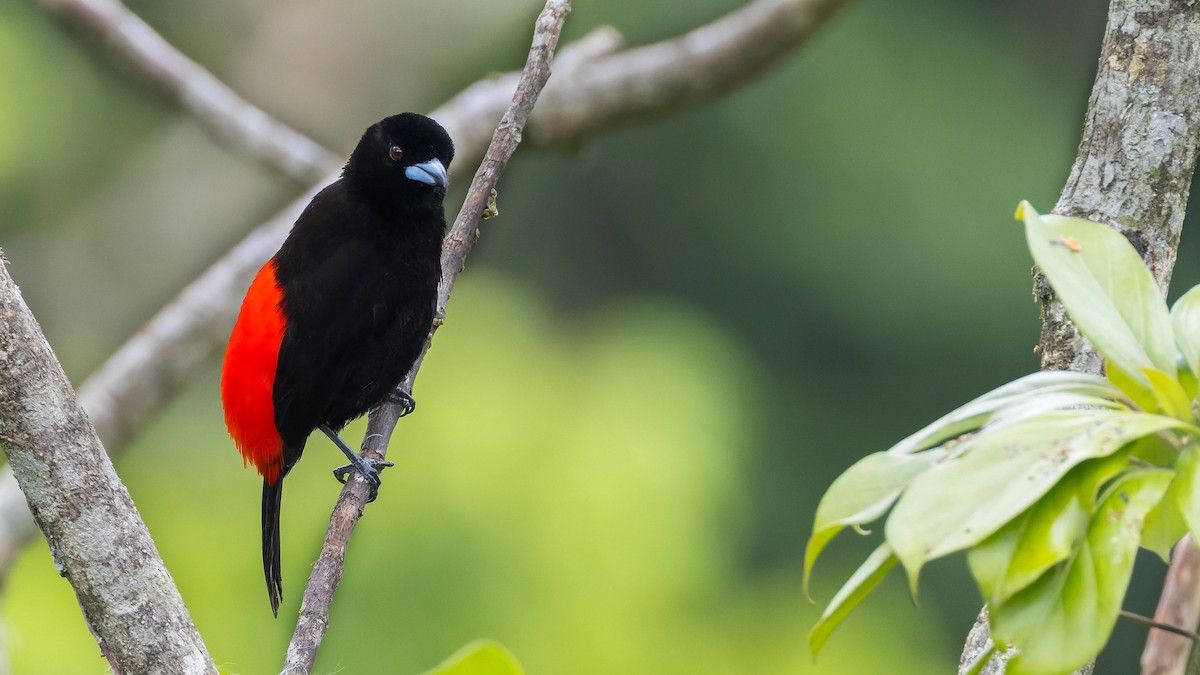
(333, 322)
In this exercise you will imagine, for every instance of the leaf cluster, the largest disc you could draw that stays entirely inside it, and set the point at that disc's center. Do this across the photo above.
(1049, 483)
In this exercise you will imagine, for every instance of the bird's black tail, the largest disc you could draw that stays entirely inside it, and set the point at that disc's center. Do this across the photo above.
(271, 500)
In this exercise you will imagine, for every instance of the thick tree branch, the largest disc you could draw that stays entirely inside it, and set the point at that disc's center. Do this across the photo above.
(96, 536)
(231, 119)
(1133, 172)
(327, 570)
(151, 366)
(1167, 653)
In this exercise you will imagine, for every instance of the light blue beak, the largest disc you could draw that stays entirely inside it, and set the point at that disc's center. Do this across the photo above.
(429, 173)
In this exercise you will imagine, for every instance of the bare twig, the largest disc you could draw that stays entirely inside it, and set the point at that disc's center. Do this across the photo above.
(230, 118)
(96, 536)
(1133, 172)
(327, 571)
(149, 368)
(1189, 635)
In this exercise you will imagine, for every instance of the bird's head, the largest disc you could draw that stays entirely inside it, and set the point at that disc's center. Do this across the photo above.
(401, 162)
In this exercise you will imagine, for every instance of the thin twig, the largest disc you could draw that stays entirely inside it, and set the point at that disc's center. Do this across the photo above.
(327, 571)
(1147, 621)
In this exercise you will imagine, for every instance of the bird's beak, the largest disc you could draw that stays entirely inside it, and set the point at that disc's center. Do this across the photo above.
(429, 173)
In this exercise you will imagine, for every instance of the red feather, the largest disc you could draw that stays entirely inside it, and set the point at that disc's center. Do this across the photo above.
(248, 375)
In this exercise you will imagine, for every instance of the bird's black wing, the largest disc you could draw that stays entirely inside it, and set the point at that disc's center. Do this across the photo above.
(358, 307)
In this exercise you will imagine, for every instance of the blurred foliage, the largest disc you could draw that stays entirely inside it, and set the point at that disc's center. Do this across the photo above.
(481, 657)
(663, 351)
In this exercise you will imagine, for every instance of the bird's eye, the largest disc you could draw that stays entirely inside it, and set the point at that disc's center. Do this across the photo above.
(395, 153)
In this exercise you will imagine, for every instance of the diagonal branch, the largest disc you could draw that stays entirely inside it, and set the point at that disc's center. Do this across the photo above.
(96, 536)
(327, 571)
(146, 371)
(231, 119)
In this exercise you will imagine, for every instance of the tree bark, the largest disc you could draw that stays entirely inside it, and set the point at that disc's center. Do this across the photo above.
(96, 536)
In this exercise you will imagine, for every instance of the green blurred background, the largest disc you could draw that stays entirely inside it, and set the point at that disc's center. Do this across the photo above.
(665, 349)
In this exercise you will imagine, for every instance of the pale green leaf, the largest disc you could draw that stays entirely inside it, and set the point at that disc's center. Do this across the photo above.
(975, 414)
(863, 493)
(1063, 619)
(1158, 450)
(1185, 317)
(1187, 378)
(1021, 551)
(962, 501)
(1169, 395)
(481, 657)
(866, 490)
(864, 580)
(1186, 490)
(1164, 525)
(1106, 288)
(1138, 390)
(1042, 402)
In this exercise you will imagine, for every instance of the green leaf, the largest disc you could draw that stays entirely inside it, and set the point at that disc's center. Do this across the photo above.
(1042, 402)
(862, 494)
(1164, 525)
(866, 490)
(978, 412)
(1063, 620)
(1137, 390)
(1185, 317)
(1045, 534)
(864, 580)
(481, 657)
(960, 502)
(1169, 395)
(1187, 488)
(1187, 378)
(1107, 290)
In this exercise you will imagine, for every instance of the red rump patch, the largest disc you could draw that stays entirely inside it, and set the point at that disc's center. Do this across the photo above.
(248, 375)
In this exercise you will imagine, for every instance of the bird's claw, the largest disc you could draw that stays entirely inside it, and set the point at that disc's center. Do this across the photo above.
(369, 468)
(403, 399)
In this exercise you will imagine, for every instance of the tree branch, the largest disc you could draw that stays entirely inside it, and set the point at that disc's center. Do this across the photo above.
(1179, 605)
(1133, 172)
(96, 536)
(234, 121)
(327, 570)
(144, 373)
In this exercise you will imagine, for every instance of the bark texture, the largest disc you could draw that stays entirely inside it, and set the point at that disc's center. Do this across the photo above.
(1138, 151)
(96, 536)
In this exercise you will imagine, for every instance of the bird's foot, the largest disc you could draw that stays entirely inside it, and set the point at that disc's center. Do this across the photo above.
(369, 468)
(404, 399)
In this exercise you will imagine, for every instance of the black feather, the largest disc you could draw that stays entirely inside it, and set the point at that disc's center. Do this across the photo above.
(358, 275)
